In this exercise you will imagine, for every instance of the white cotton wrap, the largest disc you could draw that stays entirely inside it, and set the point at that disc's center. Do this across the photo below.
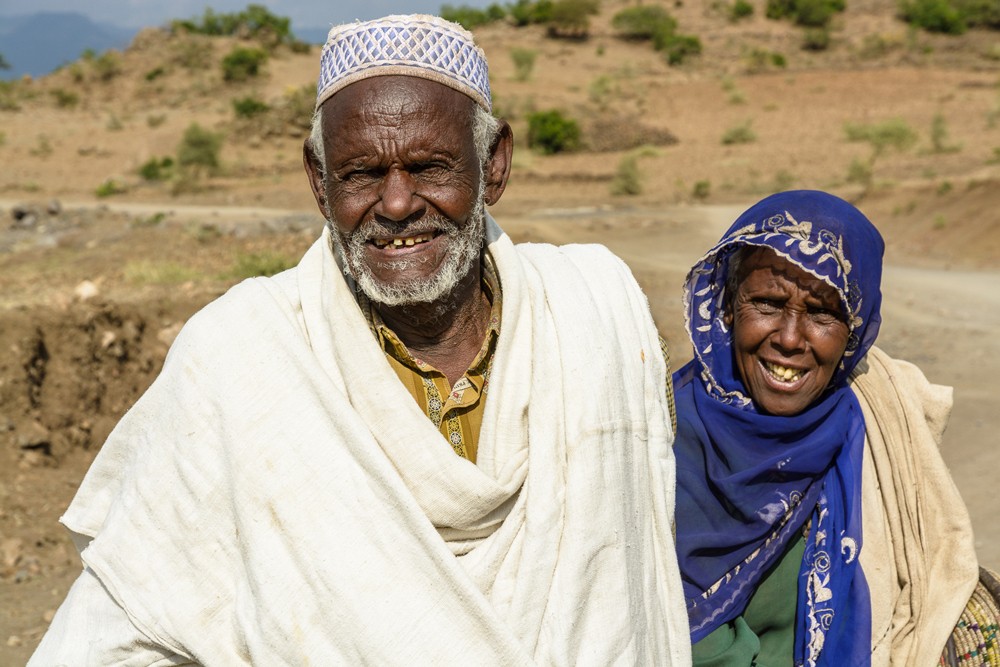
(277, 497)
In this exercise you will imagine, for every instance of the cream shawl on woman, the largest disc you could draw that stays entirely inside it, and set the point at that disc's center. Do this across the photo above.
(918, 557)
(277, 497)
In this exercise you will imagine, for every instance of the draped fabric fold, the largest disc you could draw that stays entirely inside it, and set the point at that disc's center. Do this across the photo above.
(276, 497)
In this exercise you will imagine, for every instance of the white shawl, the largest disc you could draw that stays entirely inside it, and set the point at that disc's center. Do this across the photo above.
(277, 497)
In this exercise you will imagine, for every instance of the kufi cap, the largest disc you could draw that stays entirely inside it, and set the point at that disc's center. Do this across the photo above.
(411, 45)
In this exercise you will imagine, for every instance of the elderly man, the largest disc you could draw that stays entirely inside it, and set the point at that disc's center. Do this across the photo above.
(423, 445)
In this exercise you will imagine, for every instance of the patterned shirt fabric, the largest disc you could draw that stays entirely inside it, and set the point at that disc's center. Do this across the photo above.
(670, 385)
(457, 411)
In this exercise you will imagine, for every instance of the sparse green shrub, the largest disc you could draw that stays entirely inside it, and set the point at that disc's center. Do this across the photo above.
(701, 189)
(628, 178)
(893, 133)
(980, 13)
(527, 12)
(816, 39)
(114, 123)
(678, 47)
(65, 99)
(248, 107)
(145, 272)
(810, 13)
(860, 172)
(193, 53)
(889, 134)
(110, 187)
(759, 60)
(939, 136)
(255, 22)
(153, 220)
(524, 62)
(737, 97)
(933, 16)
(600, 90)
(739, 134)
(551, 132)
(9, 96)
(296, 108)
(155, 73)
(107, 66)
(472, 17)
(76, 72)
(643, 22)
(571, 18)
(740, 9)
(156, 120)
(944, 188)
(157, 169)
(199, 150)
(242, 64)
(260, 264)
(940, 222)
(42, 148)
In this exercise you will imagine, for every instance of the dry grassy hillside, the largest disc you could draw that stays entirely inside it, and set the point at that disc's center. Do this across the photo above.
(99, 265)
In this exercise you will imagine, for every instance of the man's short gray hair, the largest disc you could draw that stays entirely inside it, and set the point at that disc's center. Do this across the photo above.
(484, 133)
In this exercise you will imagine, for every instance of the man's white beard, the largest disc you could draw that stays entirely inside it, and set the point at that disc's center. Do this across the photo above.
(464, 245)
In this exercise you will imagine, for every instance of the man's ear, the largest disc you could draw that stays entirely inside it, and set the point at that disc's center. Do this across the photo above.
(314, 171)
(497, 169)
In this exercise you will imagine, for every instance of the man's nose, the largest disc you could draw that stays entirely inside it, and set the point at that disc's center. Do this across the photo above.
(398, 198)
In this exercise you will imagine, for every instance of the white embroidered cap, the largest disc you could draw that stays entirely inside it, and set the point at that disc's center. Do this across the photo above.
(411, 45)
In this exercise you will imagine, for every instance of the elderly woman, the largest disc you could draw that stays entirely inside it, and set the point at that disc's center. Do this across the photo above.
(817, 523)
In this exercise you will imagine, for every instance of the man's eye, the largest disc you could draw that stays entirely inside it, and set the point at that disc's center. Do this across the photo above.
(357, 175)
(426, 168)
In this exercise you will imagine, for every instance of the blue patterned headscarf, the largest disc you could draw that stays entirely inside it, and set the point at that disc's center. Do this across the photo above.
(749, 482)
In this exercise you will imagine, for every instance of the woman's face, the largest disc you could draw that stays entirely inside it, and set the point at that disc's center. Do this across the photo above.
(789, 333)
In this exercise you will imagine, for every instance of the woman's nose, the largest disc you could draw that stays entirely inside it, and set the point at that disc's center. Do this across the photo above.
(790, 335)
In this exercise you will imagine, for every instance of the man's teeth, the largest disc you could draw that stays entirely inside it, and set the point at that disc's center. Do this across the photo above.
(399, 242)
(783, 373)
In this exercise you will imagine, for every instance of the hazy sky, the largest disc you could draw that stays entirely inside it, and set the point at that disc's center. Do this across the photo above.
(303, 13)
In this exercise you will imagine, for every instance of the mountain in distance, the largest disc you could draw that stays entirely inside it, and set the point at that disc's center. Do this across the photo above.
(38, 43)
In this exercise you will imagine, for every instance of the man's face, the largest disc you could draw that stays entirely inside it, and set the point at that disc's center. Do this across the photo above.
(404, 187)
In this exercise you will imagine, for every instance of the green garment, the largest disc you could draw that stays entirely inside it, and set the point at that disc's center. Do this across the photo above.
(764, 636)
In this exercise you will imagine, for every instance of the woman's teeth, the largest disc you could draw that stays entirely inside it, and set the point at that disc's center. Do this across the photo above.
(399, 242)
(782, 373)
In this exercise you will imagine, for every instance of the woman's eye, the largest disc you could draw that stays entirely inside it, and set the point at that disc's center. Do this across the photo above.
(765, 305)
(825, 315)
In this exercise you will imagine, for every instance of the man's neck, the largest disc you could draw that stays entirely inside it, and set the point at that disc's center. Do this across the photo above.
(446, 334)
